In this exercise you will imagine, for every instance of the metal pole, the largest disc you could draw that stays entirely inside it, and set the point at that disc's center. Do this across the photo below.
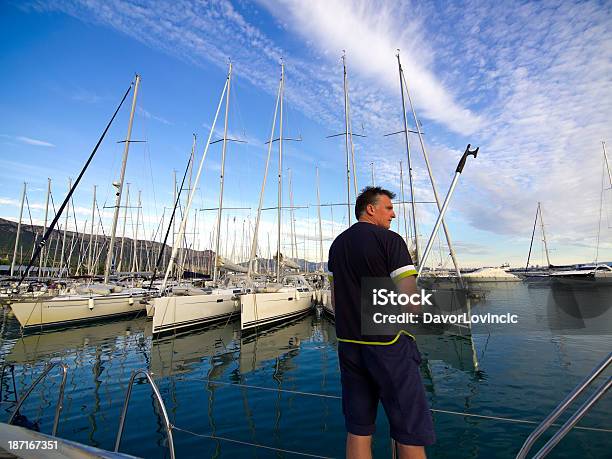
(65, 231)
(535, 223)
(403, 201)
(292, 217)
(603, 144)
(350, 135)
(109, 257)
(320, 228)
(40, 264)
(280, 175)
(544, 235)
(177, 239)
(561, 407)
(91, 235)
(221, 178)
(346, 144)
(135, 263)
(440, 219)
(571, 422)
(253, 253)
(127, 204)
(18, 230)
(410, 181)
(433, 186)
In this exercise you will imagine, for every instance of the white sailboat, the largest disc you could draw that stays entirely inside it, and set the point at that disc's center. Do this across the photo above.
(291, 295)
(180, 307)
(276, 302)
(87, 302)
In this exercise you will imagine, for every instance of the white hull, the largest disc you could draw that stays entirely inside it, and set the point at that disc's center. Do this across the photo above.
(172, 312)
(65, 309)
(478, 280)
(258, 309)
(490, 275)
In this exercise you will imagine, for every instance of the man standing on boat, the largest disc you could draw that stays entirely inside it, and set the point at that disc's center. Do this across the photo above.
(376, 368)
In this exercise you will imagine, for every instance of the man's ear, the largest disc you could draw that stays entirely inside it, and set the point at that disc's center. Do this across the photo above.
(370, 209)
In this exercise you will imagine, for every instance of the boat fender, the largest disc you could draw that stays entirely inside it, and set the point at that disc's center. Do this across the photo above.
(130, 301)
(90, 304)
(297, 295)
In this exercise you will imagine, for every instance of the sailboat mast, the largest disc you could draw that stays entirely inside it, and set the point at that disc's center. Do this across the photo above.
(535, 223)
(544, 234)
(135, 261)
(433, 183)
(18, 230)
(91, 234)
(253, 253)
(292, 214)
(280, 175)
(127, 204)
(409, 162)
(179, 237)
(64, 236)
(403, 200)
(346, 142)
(221, 178)
(109, 256)
(320, 227)
(603, 144)
(40, 264)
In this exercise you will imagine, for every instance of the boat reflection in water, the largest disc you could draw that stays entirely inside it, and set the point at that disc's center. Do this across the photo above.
(276, 343)
(183, 354)
(67, 343)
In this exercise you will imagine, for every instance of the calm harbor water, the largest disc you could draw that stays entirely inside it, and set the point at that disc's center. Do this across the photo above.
(281, 389)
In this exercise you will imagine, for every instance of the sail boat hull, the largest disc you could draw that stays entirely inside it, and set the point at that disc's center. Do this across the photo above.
(258, 309)
(174, 312)
(62, 310)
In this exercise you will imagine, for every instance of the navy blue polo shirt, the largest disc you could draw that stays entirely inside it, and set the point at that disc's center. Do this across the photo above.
(363, 250)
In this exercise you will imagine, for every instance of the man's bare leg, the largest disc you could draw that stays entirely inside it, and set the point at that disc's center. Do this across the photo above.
(358, 446)
(411, 451)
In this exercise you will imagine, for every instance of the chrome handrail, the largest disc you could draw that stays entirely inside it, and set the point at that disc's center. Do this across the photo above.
(60, 397)
(554, 415)
(157, 394)
(571, 422)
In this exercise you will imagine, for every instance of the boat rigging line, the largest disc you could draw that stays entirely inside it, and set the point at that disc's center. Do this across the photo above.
(49, 230)
(176, 203)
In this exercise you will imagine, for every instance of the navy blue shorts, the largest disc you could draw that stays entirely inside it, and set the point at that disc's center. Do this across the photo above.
(370, 373)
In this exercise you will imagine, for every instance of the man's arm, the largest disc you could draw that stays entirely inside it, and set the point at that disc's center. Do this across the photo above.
(408, 285)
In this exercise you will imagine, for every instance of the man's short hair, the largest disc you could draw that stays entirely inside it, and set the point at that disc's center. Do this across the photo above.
(369, 195)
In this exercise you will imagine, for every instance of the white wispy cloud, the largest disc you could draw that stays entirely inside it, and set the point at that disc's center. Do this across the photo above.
(29, 140)
(371, 32)
(35, 142)
(147, 114)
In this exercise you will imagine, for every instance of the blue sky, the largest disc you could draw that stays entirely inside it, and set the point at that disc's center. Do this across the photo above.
(529, 83)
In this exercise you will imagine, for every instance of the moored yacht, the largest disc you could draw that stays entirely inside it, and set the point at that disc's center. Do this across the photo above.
(600, 274)
(81, 303)
(188, 306)
(276, 302)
